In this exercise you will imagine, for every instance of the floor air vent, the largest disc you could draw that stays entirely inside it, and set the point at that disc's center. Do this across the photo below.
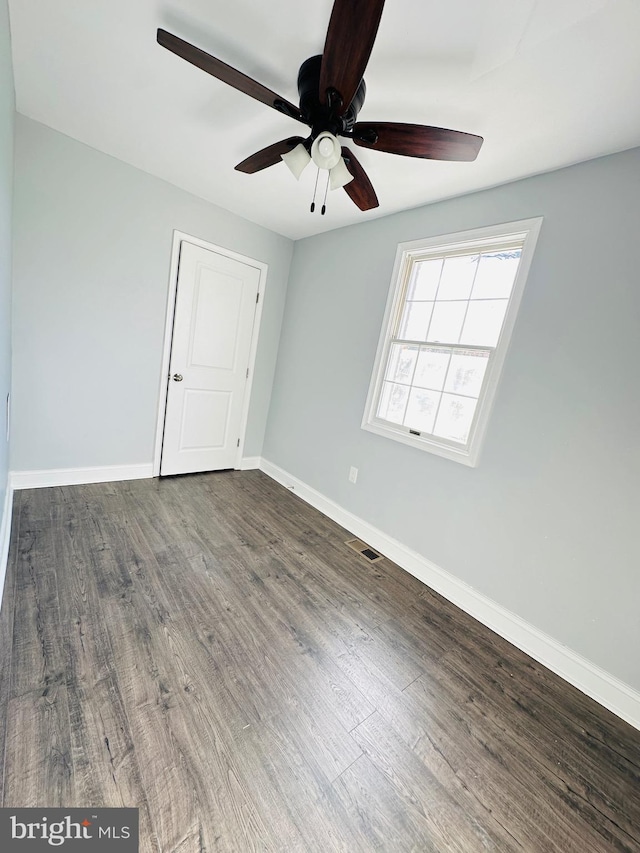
(364, 550)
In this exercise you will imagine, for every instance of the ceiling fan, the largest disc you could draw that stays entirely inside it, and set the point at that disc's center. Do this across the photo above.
(332, 92)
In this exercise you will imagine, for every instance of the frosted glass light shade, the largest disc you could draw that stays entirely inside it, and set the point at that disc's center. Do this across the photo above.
(297, 160)
(339, 175)
(326, 151)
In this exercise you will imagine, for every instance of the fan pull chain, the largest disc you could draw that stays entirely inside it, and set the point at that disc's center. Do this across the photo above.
(315, 190)
(326, 190)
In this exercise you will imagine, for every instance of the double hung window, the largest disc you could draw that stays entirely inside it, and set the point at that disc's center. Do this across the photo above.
(451, 309)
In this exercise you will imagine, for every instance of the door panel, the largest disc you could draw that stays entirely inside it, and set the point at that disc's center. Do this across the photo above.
(205, 420)
(217, 315)
(215, 309)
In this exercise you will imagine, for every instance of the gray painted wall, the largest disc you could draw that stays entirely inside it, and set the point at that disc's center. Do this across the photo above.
(7, 112)
(547, 525)
(92, 243)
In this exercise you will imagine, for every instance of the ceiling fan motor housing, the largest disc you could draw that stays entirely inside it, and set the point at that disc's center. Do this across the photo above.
(320, 116)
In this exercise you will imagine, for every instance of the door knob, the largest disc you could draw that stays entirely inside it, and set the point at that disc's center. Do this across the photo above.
(177, 377)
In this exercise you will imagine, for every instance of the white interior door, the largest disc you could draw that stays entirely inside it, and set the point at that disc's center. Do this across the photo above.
(213, 323)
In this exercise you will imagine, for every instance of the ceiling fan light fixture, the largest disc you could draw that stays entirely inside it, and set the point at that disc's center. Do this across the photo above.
(326, 150)
(332, 92)
(339, 176)
(297, 160)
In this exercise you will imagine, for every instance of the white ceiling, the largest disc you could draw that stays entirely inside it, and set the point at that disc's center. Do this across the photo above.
(545, 82)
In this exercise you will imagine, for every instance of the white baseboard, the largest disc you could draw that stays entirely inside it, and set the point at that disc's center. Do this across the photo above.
(595, 682)
(5, 536)
(249, 463)
(78, 476)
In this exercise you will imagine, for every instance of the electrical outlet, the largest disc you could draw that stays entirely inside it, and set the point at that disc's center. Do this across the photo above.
(353, 475)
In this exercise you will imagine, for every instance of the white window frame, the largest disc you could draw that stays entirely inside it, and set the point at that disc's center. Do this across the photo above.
(406, 255)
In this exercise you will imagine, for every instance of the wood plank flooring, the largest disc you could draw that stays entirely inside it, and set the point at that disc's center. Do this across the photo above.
(207, 649)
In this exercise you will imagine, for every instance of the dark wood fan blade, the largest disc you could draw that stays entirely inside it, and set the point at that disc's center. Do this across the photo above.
(227, 74)
(416, 140)
(268, 156)
(352, 31)
(360, 190)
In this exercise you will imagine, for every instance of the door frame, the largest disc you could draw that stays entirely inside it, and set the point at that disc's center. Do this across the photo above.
(180, 237)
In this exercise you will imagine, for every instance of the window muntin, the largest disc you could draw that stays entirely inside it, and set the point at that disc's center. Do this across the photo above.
(438, 356)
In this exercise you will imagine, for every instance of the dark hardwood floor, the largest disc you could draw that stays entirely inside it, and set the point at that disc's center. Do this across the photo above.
(207, 648)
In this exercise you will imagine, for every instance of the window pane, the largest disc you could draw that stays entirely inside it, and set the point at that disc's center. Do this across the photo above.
(446, 322)
(402, 360)
(457, 277)
(455, 418)
(393, 402)
(431, 368)
(483, 322)
(467, 372)
(424, 280)
(496, 274)
(422, 409)
(415, 321)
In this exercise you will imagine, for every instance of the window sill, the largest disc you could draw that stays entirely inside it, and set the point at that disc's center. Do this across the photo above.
(466, 456)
